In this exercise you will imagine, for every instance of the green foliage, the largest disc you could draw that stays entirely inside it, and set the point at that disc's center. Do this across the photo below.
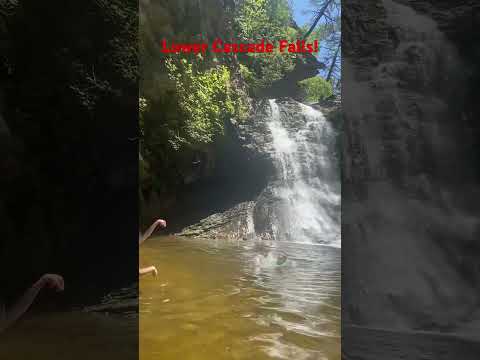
(316, 88)
(247, 75)
(186, 98)
(258, 19)
(270, 20)
(205, 98)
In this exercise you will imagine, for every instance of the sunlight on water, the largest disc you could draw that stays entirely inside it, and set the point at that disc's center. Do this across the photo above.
(218, 300)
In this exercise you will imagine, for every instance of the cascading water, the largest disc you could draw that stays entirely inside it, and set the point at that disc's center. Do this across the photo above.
(274, 294)
(299, 210)
(307, 186)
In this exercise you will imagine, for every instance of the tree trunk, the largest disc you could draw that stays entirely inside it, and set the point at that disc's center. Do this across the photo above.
(317, 18)
(332, 66)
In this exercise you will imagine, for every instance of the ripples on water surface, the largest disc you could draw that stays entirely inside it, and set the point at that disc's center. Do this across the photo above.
(218, 300)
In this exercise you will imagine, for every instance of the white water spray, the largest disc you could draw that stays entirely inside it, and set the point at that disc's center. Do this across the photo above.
(308, 181)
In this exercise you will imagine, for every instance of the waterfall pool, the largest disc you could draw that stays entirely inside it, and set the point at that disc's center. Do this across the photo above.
(239, 300)
(258, 299)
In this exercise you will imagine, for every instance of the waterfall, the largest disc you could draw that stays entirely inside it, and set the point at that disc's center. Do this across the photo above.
(307, 184)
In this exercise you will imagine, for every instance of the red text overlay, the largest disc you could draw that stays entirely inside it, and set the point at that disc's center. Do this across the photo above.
(220, 46)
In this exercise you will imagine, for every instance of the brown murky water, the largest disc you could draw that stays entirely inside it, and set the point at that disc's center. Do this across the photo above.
(74, 335)
(211, 300)
(239, 300)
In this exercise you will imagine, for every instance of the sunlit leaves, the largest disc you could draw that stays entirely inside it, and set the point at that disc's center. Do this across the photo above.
(316, 88)
(271, 20)
(206, 98)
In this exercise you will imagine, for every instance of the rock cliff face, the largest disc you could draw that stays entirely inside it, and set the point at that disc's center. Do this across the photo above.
(410, 140)
(305, 67)
(257, 214)
(247, 170)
